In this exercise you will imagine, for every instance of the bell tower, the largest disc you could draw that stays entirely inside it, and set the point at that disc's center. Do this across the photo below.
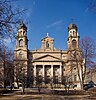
(21, 53)
(73, 38)
(21, 48)
(75, 60)
(21, 38)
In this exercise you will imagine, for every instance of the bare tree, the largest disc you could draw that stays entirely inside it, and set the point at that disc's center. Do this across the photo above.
(39, 82)
(20, 74)
(88, 46)
(78, 63)
(6, 57)
(9, 18)
(92, 6)
(67, 82)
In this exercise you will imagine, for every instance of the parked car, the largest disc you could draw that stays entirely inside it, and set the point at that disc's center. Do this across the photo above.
(89, 85)
(9, 87)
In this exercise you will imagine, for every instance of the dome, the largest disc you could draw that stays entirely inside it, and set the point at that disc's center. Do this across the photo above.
(72, 26)
(22, 25)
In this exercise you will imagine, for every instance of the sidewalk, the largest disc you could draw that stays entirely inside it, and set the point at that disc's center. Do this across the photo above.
(33, 94)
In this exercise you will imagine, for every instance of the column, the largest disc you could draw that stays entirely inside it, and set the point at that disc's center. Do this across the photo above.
(43, 74)
(52, 73)
(34, 75)
(60, 73)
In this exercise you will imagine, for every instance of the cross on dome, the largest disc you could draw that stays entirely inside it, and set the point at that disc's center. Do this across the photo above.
(47, 34)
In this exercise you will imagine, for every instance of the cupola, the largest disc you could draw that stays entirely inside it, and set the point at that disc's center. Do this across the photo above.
(72, 26)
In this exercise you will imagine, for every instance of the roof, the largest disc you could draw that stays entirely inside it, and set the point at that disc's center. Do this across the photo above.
(72, 26)
(22, 25)
(48, 58)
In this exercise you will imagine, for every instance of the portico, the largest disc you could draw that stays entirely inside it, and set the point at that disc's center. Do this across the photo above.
(48, 72)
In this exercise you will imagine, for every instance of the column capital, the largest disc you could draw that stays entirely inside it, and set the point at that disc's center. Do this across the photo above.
(34, 65)
(43, 65)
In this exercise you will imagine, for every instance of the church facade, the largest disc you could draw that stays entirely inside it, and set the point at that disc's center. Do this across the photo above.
(48, 66)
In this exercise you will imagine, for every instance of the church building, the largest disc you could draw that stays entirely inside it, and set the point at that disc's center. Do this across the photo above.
(48, 66)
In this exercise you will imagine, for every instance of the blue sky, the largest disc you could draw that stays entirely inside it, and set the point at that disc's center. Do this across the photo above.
(54, 17)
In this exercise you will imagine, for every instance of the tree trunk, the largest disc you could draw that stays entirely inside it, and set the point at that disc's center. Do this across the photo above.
(4, 74)
(23, 89)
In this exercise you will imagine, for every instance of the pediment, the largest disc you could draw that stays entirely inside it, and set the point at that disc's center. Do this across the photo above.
(47, 58)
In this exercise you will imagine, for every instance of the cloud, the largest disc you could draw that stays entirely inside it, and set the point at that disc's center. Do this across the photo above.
(54, 24)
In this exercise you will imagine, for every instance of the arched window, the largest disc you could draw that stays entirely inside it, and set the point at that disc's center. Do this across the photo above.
(20, 55)
(74, 33)
(73, 43)
(21, 43)
(47, 44)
